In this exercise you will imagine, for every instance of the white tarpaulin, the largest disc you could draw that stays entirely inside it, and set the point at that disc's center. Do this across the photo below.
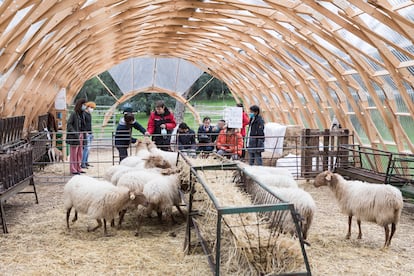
(274, 136)
(172, 74)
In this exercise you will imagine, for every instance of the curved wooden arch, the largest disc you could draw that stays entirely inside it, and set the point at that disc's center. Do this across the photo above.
(151, 89)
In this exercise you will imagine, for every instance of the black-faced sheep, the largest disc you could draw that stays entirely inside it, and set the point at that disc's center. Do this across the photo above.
(99, 199)
(378, 203)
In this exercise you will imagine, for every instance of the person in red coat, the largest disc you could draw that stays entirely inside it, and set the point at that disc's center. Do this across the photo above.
(245, 122)
(160, 125)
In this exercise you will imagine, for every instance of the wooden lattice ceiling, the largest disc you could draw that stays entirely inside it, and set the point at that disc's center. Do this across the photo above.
(303, 61)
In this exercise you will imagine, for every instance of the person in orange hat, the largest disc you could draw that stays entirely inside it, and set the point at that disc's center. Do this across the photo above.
(90, 106)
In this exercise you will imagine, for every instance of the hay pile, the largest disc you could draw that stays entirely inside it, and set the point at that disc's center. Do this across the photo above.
(248, 246)
(39, 244)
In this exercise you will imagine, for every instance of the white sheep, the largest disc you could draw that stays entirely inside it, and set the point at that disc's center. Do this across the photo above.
(153, 161)
(141, 154)
(112, 170)
(136, 180)
(142, 147)
(272, 180)
(280, 181)
(304, 205)
(268, 170)
(378, 203)
(99, 199)
(171, 157)
(132, 161)
(162, 194)
(277, 177)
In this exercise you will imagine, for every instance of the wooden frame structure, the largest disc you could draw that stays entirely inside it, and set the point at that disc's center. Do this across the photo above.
(302, 61)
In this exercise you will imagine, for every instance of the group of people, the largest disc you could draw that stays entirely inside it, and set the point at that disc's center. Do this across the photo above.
(227, 141)
(79, 135)
(161, 123)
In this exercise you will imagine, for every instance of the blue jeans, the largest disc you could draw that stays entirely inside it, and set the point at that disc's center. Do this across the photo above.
(86, 149)
(123, 152)
(255, 156)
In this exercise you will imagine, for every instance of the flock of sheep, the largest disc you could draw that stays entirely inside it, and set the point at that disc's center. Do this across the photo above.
(151, 178)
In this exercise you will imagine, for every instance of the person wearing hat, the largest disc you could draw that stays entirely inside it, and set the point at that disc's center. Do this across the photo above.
(123, 134)
(160, 125)
(128, 110)
(90, 106)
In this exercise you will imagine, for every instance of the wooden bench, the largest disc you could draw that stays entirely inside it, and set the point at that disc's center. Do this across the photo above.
(376, 166)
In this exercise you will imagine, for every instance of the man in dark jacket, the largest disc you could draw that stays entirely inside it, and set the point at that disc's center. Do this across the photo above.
(160, 125)
(123, 134)
(205, 135)
(186, 138)
(255, 136)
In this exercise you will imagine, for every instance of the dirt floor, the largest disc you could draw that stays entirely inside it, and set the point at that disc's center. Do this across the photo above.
(40, 244)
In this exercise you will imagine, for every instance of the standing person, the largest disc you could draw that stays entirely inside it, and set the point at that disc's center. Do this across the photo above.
(245, 122)
(205, 135)
(230, 143)
(255, 136)
(74, 136)
(123, 134)
(90, 106)
(186, 138)
(160, 124)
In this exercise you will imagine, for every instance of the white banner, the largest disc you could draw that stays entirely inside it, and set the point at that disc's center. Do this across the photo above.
(233, 117)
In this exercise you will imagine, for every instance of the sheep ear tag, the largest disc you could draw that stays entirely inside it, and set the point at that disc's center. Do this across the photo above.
(328, 177)
(132, 196)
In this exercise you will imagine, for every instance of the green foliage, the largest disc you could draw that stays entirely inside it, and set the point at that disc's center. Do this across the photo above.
(93, 90)
(215, 89)
(104, 100)
(144, 102)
